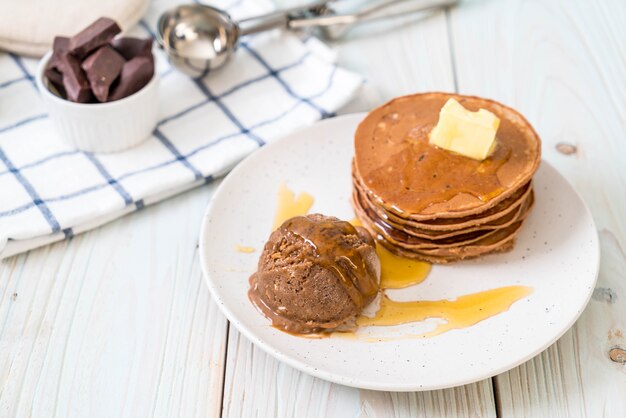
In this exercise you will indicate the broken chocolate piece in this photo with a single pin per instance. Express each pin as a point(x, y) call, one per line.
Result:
point(74, 79)
point(99, 33)
point(59, 47)
point(58, 91)
point(55, 81)
point(135, 75)
point(60, 44)
point(54, 76)
point(133, 47)
point(102, 68)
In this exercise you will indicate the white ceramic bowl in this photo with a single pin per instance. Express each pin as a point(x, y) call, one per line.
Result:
point(102, 127)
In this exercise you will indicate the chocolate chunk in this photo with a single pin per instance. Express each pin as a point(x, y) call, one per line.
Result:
point(102, 68)
point(59, 47)
point(99, 33)
point(133, 47)
point(58, 91)
point(55, 82)
point(53, 70)
point(54, 76)
point(60, 44)
point(136, 74)
point(74, 79)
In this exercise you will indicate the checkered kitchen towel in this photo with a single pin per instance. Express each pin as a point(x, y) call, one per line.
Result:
point(275, 84)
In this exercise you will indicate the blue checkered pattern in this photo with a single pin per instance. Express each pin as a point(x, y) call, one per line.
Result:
point(275, 84)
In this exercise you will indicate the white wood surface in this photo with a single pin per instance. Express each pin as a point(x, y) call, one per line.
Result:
point(563, 64)
point(115, 322)
point(257, 385)
point(118, 322)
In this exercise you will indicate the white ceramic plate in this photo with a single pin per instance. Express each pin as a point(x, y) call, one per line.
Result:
point(557, 253)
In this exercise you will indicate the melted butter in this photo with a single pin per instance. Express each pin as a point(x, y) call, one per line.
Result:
point(244, 249)
point(462, 312)
point(288, 205)
point(398, 272)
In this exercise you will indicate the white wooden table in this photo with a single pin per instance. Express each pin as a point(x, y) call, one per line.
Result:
point(118, 321)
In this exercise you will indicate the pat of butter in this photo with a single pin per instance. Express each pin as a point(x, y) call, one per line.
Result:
point(472, 134)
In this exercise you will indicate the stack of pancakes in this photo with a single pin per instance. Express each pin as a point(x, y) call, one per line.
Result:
point(427, 203)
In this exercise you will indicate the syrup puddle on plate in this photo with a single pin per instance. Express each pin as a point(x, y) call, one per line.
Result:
point(289, 205)
point(399, 272)
point(462, 312)
point(244, 249)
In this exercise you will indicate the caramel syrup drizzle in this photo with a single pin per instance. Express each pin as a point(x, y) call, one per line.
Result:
point(463, 312)
point(396, 273)
point(288, 205)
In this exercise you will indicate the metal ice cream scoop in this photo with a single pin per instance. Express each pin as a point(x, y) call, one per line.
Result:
point(199, 38)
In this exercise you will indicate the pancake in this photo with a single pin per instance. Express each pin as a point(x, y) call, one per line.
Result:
point(464, 240)
point(500, 241)
point(408, 176)
point(423, 202)
point(484, 246)
point(501, 221)
point(402, 239)
point(491, 218)
point(449, 224)
point(504, 246)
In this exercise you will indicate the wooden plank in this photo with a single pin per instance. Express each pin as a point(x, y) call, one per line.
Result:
point(257, 385)
point(115, 322)
point(409, 59)
point(562, 64)
point(405, 59)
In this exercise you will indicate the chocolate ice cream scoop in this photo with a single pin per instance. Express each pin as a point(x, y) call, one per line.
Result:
point(316, 274)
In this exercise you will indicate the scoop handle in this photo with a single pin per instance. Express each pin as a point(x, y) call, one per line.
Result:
point(280, 18)
point(316, 14)
point(382, 10)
